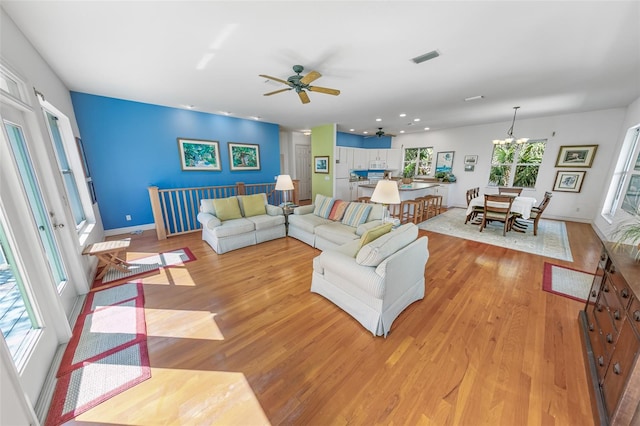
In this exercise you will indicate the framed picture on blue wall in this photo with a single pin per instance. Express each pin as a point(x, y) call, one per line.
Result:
point(199, 154)
point(244, 156)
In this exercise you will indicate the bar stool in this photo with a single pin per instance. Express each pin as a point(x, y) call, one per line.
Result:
point(438, 207)
point(364, 199)
point(430, 206)
point(411, 211)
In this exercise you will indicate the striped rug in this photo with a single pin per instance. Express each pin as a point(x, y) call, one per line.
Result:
point(567, 282)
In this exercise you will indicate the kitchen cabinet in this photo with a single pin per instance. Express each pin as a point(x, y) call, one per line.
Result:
point(360, 159)
point(394, 159)
point(610, 324)
point(443, 189)
point(343, 189)
point(377, 155)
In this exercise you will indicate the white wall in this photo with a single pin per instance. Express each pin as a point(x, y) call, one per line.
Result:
point(600, 128)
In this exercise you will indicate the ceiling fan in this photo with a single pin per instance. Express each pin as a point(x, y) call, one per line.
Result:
point(300, 84)
point(380, 133)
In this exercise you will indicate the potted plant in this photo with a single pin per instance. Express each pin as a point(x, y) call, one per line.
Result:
point(407, 173)
point(629, 233)
point(440, 176)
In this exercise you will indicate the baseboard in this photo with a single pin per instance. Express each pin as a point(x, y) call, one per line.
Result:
point(129, 229)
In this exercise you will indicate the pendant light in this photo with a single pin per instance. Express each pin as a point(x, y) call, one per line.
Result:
point(511, 139)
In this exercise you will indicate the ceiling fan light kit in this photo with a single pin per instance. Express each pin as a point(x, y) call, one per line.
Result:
point(511, 139)
point(301, 84)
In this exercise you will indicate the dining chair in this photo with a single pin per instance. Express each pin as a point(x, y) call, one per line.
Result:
point(476, 212)
point(536, 213)
point(497, 208)
point(509, 190)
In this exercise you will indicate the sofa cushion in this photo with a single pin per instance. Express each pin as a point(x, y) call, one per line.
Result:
point(378, 250)
point(356, 214)
point(233, 227)
point(265, 221)
point(306, 222)
point(206, 206)
point(336, 232)
point(253, 205)
point(375, 233)
point(323, 206)
point(227, 208)
point(338, 209)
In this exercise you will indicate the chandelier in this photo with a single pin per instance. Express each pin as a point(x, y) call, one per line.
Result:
point(510, 139)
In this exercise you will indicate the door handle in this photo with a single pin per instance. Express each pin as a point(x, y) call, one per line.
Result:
point(58, 226)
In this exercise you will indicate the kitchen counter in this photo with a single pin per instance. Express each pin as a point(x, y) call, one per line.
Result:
point(414, 186)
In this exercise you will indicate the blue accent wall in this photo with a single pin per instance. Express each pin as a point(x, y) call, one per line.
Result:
point(357, 141)
point(131, 145)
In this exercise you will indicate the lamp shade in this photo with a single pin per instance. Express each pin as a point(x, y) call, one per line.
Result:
point(386, 192)
point(284, 183)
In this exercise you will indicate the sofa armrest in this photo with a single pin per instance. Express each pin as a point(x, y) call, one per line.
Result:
point(274, 210)
point(404, 268)
point(208, 220)
point(304, 209)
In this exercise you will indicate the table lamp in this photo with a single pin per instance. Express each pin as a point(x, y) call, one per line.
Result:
point(284, 183)
point(386, 193)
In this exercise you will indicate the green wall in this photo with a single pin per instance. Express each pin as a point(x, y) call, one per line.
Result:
point(323, 141)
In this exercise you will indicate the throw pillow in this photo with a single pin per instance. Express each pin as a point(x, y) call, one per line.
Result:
point(338, 209)
point(323, 206)
point(206, 206)
point(374, 233)
point(253, 205)
point(227, 208)
point(356, 214)
point(375, 252)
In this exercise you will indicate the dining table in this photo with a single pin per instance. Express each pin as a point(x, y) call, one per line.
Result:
point(521, 205)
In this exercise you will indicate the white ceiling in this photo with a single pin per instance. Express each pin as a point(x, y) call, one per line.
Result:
point(549, 58)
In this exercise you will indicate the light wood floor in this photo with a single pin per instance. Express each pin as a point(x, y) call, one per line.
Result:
point(238, 339)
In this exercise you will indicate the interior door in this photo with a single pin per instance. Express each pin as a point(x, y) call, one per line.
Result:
point(303, 170)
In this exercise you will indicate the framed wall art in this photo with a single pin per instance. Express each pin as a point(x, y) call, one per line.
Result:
point(198, 154)
point(470, 160)
point(444, 161)
point(576, 155)
point(321, 164)
point(569, 181)
point(244, 156)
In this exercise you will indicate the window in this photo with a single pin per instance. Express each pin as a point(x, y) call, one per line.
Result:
point(516, 164)
point(417, 161)
point(627, 174)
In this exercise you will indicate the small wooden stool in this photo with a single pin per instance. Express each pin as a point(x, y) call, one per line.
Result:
point(107, 254)
point(411, 211)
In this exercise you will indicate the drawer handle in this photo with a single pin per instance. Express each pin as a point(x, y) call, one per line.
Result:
point(616, 314)
point(609, 338)
point(625, 293)
point(603, 257)
point(599, 307)
point(605, 289)
point(591, 327)
point(594, 293)
point(600, 360)
point(616, 368)
point(636, 316)
point(612, 269)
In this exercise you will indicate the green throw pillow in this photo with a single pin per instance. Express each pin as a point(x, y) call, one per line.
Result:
point(253, 205)
point(227, 208)
point(374, 233)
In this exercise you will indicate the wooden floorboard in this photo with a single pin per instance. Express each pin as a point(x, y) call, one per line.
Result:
point(239, 339)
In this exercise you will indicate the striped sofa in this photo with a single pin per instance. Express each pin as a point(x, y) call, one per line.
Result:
point(329, 222)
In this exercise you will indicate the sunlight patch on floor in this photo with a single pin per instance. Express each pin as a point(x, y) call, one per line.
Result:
point(183, 324)
point(175, 396)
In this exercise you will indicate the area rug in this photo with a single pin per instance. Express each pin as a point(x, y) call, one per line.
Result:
point(551, 241)
point(149, 264)
point(566, 282)
point(106, 355)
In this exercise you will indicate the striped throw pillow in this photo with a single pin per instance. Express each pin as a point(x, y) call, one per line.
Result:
point(356, 214)
point(338, 209)
point(323, 206)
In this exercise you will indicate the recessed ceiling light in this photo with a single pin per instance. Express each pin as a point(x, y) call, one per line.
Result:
point(401, 131)
point(474, 98)
point(352, 130)
point(256, 118)
point(366, 133)
point(188, 106)
point(378, 119)
point(403, 115)
point(416, 119)
point(426, 128)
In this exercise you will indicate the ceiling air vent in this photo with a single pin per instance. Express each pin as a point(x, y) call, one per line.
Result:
point(426, 57)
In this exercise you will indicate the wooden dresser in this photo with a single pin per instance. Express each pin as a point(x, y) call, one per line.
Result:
point(611, 338)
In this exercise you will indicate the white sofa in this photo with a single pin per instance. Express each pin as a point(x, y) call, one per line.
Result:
point(232, 234)
point(324, 233)
point(375, 283)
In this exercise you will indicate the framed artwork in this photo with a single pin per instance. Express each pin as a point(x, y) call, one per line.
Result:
point(444, 161)
point(199, 154)
point(470, 160)
point(321, 164)
point(244, 156)
point(569, 181)
point(469, 167)
point(576, 155)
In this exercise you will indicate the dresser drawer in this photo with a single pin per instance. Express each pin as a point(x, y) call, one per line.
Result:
point(600, 356)
point(620, 367)
point(615, 307)
point(620, 286)
point(634, 314)
point(608, 332)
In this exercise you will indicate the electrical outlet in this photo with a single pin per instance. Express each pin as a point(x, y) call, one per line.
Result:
point(128, 217)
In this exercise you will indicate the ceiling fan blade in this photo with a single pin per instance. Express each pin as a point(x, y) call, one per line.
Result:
point(304, 97)
point(275, 79)
point(312, 76)
point(326, 90)
point(277, 91)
